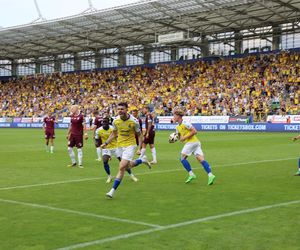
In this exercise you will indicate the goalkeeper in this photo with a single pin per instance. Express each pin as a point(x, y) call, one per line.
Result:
point(187, 134)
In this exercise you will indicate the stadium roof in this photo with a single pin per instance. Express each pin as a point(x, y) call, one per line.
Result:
point(141, 23)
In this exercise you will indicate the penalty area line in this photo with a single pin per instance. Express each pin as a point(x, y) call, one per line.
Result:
point(177, 225)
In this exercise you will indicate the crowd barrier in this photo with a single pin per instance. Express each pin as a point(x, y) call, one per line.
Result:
point(252, 127)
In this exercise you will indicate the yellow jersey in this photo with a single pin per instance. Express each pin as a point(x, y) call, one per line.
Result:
point(126, 130)
point(183, 129)
point(104, 134)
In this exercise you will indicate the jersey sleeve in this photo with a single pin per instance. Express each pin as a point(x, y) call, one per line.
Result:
point(188, 125)
point(97, 132)
point(137, 126)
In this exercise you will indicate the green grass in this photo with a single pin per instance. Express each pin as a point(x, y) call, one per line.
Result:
point(43, 207)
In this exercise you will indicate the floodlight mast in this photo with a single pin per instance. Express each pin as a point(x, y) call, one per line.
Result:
point(40, 16)
point(91, 7)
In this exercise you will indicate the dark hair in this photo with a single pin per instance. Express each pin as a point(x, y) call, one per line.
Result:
point(123, 104)
point(106, 119)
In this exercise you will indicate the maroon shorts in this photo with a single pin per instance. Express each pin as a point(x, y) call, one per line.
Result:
point(98, 142)
point(49, 135)
point(75, 140)
point(150, 139)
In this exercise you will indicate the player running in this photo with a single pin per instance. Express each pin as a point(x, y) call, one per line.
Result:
point(187, 134)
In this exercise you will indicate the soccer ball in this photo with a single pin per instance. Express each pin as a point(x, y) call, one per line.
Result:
point(173, 137)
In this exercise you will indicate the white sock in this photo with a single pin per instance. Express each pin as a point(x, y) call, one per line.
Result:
point(98, 150)
point(210, 174)
point(143, 151)
point(80, 156)
point(51, 149)
point(191, 173)
point(111, 191)
point(153, 150)
point(72, 155)
point(47, 148)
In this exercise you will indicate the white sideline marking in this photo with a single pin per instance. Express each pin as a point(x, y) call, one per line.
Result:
point(146, 173)
point(182, 224)
point(79, 213)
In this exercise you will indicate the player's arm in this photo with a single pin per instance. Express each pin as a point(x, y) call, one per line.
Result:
point(140, 136)
point(149, 128)
point(85, 129)
point(112, 135)
point(296, 138)
point(69, 132)
point(193, 132)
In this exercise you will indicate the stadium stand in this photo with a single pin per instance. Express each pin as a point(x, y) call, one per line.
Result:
point(255, 85)
point(43, 63)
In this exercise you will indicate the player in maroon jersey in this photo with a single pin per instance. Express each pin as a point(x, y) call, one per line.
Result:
point(49, 126)
point(149, 134)
point(98, 120)
point(75, 135)
point(135, 113)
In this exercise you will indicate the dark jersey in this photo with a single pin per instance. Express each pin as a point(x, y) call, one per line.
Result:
point(77, 124)
point(149, 118)
point(98, 121)
point(49, 123)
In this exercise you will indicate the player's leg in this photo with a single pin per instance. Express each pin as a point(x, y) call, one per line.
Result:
point(79, 145)
point(98, 143)
point(106, 158)
point(71, 144)
point(52, 144)
point(47, 142)
point(143, 149)
point(153, 151)
point(188, 168)
point(122, 167)
point(200, 157)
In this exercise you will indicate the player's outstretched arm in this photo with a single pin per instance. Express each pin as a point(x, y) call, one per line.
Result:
point(296, 138)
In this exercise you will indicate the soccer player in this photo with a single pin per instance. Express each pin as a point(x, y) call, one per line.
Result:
point(125, 126)
point(111, 149)
point(98, 142)
point(298, 172)
point(187, 134)
point(75, 135)
point(135, 113)
point(149, 134)
point(48, 126)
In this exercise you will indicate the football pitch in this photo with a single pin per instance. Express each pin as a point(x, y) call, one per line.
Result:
point(253, 204)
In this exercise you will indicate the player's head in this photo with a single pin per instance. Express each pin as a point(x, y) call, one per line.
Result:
point(122, 109)
point(135, 111)
point(105, 123)
point(74, 109)
point(146, 109)
point(106, 111)
point(178, 113)
point(49, 113)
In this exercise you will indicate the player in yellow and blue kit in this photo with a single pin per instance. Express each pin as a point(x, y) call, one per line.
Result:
point(125, 127)
point(111, 149)
point(187, 134)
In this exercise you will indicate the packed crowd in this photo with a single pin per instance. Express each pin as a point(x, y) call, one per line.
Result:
point(255, 85)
